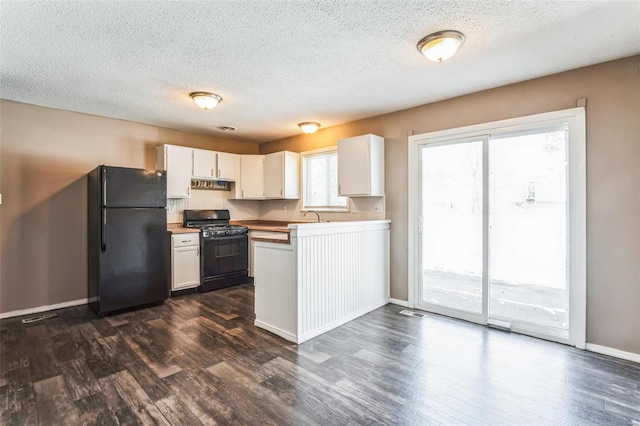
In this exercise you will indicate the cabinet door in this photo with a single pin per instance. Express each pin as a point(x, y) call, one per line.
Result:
point(204, 164)
point(185, 267)
point(274, 175)
point(291, 175)
point(177, 163)
point(227, 166)
point(252, 176)
point(354, 162)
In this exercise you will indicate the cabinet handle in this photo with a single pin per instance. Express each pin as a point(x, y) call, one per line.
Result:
point(211, 172)
point(339, 190)
point(281, 192)
point(197, 251)
point(219, 174)
point(243, 193)
point(185, 241)
point(188, 190)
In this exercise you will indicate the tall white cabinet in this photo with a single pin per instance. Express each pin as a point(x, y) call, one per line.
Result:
point(281, 175)
point(177, 161)
point(361, 166)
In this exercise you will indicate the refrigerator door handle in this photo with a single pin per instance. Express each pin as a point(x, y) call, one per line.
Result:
point(104, 187)
point(103, 231)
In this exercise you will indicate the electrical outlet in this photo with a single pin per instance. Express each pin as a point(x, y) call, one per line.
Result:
point(354, 207)
point(378, 208)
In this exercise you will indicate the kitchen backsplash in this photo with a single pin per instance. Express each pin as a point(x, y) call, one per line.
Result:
point(366, 208)
point(360, 208)
point(208, 199)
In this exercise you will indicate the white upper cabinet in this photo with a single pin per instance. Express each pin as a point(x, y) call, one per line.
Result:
point(251, 177)
point(214, 165)
point(361, 166)
point(227, 165)
point(204, 164)
point(177, 161)
point(281, 175)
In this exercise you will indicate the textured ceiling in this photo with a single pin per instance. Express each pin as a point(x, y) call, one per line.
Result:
point(277, 63)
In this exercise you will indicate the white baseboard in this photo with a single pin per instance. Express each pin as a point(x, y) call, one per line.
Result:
point(303, 337)
point(277, 331)
point(617, 353)
point(399, 302)
point(45, 308)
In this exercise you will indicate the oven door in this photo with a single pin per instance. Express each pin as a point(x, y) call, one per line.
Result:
point(224, 255)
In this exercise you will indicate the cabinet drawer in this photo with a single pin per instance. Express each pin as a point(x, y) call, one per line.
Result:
point(182, 240)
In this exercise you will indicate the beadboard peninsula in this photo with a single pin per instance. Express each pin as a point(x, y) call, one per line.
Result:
point(328, 274)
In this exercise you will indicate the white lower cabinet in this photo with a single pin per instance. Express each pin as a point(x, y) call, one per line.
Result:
point(185, 261)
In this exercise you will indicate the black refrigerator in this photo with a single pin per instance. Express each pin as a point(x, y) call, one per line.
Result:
point(128, 243)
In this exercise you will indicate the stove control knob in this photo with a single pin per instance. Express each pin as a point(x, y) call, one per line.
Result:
point(227, 232)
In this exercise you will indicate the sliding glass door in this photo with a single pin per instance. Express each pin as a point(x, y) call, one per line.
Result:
point(528, 236)
point(500, 228)
point(452, 233)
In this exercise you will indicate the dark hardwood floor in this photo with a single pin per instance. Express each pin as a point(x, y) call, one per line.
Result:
point(198, 359)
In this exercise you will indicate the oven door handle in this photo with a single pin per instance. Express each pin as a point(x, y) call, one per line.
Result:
point(226, 238)
point(228, 255)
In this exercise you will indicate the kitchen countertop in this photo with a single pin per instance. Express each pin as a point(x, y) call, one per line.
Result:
point(265, 225)
point(177, 228)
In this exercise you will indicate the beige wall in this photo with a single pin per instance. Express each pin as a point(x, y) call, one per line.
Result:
point(45, 153)
point(44, 156)
point(613, 177)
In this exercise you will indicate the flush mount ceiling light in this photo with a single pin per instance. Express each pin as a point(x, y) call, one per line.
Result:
point(441, 46)
point(205, 100)
point(227, 128)
point(309, 126)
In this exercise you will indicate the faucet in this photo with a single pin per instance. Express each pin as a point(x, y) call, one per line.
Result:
point(312, 211)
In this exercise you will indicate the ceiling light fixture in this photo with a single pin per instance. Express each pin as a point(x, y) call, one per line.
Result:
point(227, 128)
point(205, 100)
point(309, 126)
point(441, 46)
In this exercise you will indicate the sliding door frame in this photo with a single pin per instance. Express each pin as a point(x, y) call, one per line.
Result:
point(477, 317)
point(575, 118)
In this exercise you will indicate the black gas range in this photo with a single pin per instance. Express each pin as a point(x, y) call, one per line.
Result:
point(224, 248)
